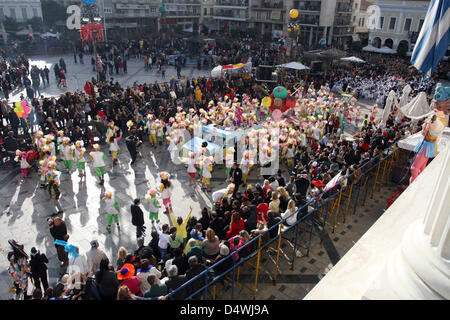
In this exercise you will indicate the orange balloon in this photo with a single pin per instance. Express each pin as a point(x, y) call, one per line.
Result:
point(293, 13)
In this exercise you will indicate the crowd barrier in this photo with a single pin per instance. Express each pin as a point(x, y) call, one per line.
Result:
point(324, 211)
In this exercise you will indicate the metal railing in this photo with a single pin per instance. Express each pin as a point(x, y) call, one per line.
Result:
point(323, 210)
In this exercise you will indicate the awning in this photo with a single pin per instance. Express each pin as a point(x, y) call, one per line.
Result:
point(353, 59)
point(293, 65)
point(386, 50)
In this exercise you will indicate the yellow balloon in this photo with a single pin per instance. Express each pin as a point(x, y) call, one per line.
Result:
point(266, 102)
point(293, 13)
point(296, 28)
point(289, 30)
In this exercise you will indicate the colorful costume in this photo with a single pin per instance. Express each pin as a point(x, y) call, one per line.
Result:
point(112, 210)
point(428, 147)
point(153, 205)
point(79, 155)
point(98, 158)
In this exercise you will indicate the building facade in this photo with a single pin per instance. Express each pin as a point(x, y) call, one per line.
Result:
point(20, 11)
point(329, 20)
point(270, 17)
point(399, 23)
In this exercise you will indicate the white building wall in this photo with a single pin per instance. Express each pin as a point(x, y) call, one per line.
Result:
point(20, 10)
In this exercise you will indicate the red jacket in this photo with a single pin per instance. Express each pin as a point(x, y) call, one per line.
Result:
point(236, 227)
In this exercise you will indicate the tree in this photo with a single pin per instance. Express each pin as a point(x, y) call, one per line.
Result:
point(36, 24)
point(402, 50)
point(11, 24)
point(53, 12)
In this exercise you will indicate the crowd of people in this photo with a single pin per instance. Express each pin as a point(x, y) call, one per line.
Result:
point(312, 149)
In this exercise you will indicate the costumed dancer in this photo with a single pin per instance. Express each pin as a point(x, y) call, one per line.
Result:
point(358, 115)
point(50, 144)
point(98, 159)
point(24, 165)
point(59, 144)
point(112, 210)
point(39, 142)
point(152, 127)
point(43, 169)
point(67, 153)
point(19, 268)
point(206, 173)
point(160, 132)
point(290, 154)
point(246, 165)
point(153, 205)
point(432, 132)
point(165, 188)
point(373, 113)
point(192, 169)
point(79, 155)
point(229, 160)
point(53, 178)
point(111, 131)
point(114, 146)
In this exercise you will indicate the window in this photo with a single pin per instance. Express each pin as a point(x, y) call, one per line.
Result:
point(354, 18)
point(356, 6)
point(211, 11)
point(35, 12)
point(381, 22)
point(205, 12)
point(108, 10)
point(420, 25)
point(153, 9)
point(12, 12)
point(24, 14)
point(407, 24)
point(362, 22)
point(2, 14)
point(392, 23)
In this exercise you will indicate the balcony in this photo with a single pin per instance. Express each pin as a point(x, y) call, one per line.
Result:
point(269, 6)
point(308, 20)
point(309, 6)
point(231, 4)
point(192, 2)
point(342, 22)
point(173, 14)
point(343, 8)
point(230, 15)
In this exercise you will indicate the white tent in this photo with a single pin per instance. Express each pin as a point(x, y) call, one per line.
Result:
point(293, 65)
point(371, 48)
point(403, 100)
point(390, 101)
point(353, 59)
point(417, 108)
point(386, 50)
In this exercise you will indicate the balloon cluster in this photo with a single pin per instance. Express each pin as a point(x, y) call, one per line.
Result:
point(22, 109)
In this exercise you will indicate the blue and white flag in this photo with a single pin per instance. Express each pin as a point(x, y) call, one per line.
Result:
point(434, 37)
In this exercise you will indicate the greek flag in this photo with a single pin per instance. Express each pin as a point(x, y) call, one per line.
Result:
point(434, 37)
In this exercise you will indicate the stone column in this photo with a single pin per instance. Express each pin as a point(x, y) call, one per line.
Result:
point(420, 267)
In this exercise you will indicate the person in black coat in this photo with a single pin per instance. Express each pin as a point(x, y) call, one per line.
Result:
point(236, 177)
point(132, 143)
point(137, 218)
point(218, 224)
point(39, 268)
point(58, 230)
